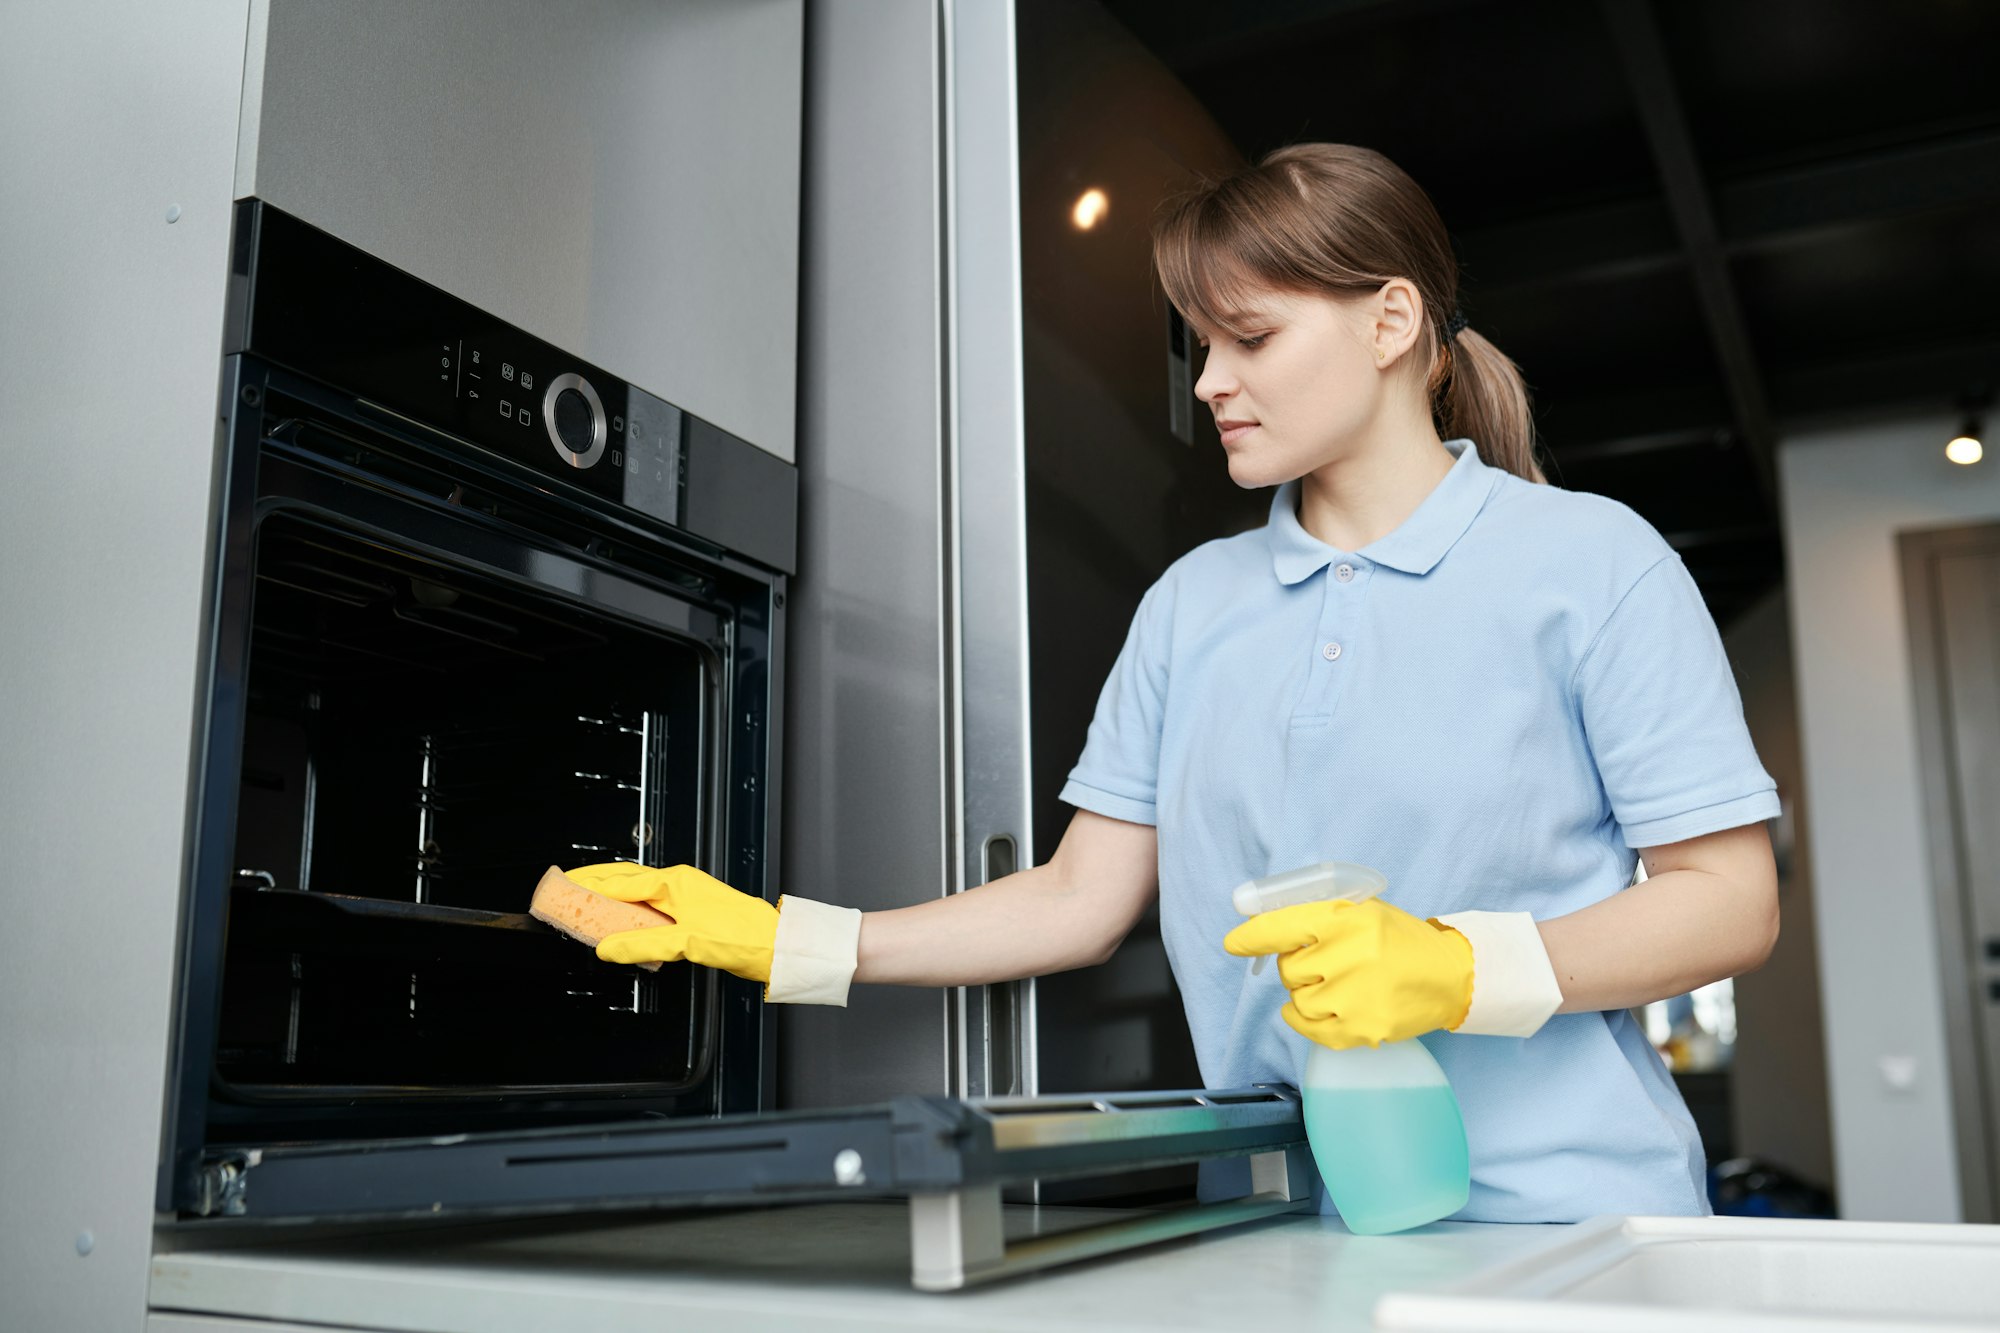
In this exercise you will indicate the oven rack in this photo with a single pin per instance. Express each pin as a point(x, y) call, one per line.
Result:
point(439, 981)
point(400, 931)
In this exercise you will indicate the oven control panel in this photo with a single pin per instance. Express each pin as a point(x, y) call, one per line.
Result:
point(320, 306)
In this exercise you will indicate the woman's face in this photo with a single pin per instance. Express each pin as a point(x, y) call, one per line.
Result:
point(1294, 391)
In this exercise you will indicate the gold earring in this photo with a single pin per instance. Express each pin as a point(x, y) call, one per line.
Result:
point(1380, 353)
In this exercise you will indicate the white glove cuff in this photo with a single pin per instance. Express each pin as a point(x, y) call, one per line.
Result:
point(815, 953)
point(1514, 989)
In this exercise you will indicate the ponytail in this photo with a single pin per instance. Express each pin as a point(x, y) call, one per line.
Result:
point(1478, 392)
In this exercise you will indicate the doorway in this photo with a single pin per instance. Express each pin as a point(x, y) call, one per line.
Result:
point(1951, 583)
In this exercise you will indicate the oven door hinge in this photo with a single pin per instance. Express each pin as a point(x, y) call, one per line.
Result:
point(221, 1181)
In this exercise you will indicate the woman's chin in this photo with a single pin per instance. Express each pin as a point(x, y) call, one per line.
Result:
point(1254, 474)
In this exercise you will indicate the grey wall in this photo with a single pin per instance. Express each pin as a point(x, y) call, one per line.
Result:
point(1846, 494)
point(110, 337)
point(619, 177)
point(1777, 1084)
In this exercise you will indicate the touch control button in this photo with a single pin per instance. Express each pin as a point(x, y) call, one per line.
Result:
point(574, 417)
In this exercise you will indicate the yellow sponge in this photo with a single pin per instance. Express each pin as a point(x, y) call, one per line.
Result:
point(586, 916)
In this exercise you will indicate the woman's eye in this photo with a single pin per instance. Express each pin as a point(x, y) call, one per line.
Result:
point(1252, 342)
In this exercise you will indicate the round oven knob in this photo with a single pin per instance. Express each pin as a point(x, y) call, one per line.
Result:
point(572, 420)
point(575, 420)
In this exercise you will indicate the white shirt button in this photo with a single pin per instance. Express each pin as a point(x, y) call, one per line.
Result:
point(1345, 573)
point(1331, 652)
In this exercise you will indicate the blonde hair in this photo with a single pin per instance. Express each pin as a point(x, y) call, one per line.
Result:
point(1338, 220)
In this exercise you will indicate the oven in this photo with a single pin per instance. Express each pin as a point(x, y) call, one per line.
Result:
point(478, 609)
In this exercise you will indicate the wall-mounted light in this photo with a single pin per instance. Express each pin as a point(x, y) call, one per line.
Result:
point(1965, 446)
point(1091, 206)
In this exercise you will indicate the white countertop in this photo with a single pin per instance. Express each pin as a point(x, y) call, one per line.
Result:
point(827, 1266)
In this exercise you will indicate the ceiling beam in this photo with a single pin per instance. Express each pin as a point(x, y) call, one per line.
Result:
point(1579, 245)
point(1862, 187)
point(1698, 437)
point(1191, 35)
point(1904, 382)
point(1914, 380)
point(1636, 236)
point(1635, 420)
point(1644, 59)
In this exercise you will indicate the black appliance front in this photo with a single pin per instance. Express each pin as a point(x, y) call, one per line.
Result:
point(478, 608)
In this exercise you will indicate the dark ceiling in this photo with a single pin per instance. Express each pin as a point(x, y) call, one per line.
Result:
point(1698, 226)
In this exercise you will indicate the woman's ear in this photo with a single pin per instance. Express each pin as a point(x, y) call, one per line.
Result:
point(1398, 317)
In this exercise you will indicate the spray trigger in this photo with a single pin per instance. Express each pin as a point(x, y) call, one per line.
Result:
point(1324, 881)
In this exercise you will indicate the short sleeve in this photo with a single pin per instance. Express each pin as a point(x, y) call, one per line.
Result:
point(1118, 774)
point(1663, 718)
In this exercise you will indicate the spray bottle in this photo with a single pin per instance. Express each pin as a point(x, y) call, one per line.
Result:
point(1384, 1126)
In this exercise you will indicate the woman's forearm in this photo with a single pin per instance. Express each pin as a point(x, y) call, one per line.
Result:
point(1708, 911)
point(1071, 912)
point(1024, 925)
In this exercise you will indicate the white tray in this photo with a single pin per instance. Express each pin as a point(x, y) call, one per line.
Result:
point(1669, 1274)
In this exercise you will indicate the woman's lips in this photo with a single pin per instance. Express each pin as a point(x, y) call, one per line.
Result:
point(1232, 431)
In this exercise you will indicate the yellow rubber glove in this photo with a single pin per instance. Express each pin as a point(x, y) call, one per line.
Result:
point(1362, 973)
point(714, 925)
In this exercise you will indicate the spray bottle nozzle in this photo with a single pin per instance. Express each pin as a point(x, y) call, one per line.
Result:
point(1322, 882)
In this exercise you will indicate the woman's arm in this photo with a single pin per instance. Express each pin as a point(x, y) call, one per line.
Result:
point(1708, 909)
point(1070, 912)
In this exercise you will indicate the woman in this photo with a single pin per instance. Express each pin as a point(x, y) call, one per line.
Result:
point(1499, 693)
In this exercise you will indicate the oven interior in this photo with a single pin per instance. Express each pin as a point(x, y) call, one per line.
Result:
point(422, 740)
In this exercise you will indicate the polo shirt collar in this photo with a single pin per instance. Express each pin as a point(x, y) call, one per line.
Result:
point(1414, 547)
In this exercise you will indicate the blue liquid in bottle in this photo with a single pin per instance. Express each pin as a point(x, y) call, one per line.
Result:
point(1392, 1157)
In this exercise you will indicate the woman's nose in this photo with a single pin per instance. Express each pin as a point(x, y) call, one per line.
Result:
point(1215, 381)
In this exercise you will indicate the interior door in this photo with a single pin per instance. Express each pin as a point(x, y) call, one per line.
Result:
point(1969, 598)
point(1952, 582)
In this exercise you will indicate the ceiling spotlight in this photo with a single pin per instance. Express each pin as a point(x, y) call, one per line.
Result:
point(1091, 206)
point(1965, 446)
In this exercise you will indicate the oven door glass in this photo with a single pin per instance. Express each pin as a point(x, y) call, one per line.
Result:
point(420, 743)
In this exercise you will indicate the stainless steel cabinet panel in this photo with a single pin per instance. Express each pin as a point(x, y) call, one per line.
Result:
point(865, 764)
point(906, 718)
point(618, 177)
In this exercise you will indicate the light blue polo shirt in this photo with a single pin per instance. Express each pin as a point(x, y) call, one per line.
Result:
point(1494, 705)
